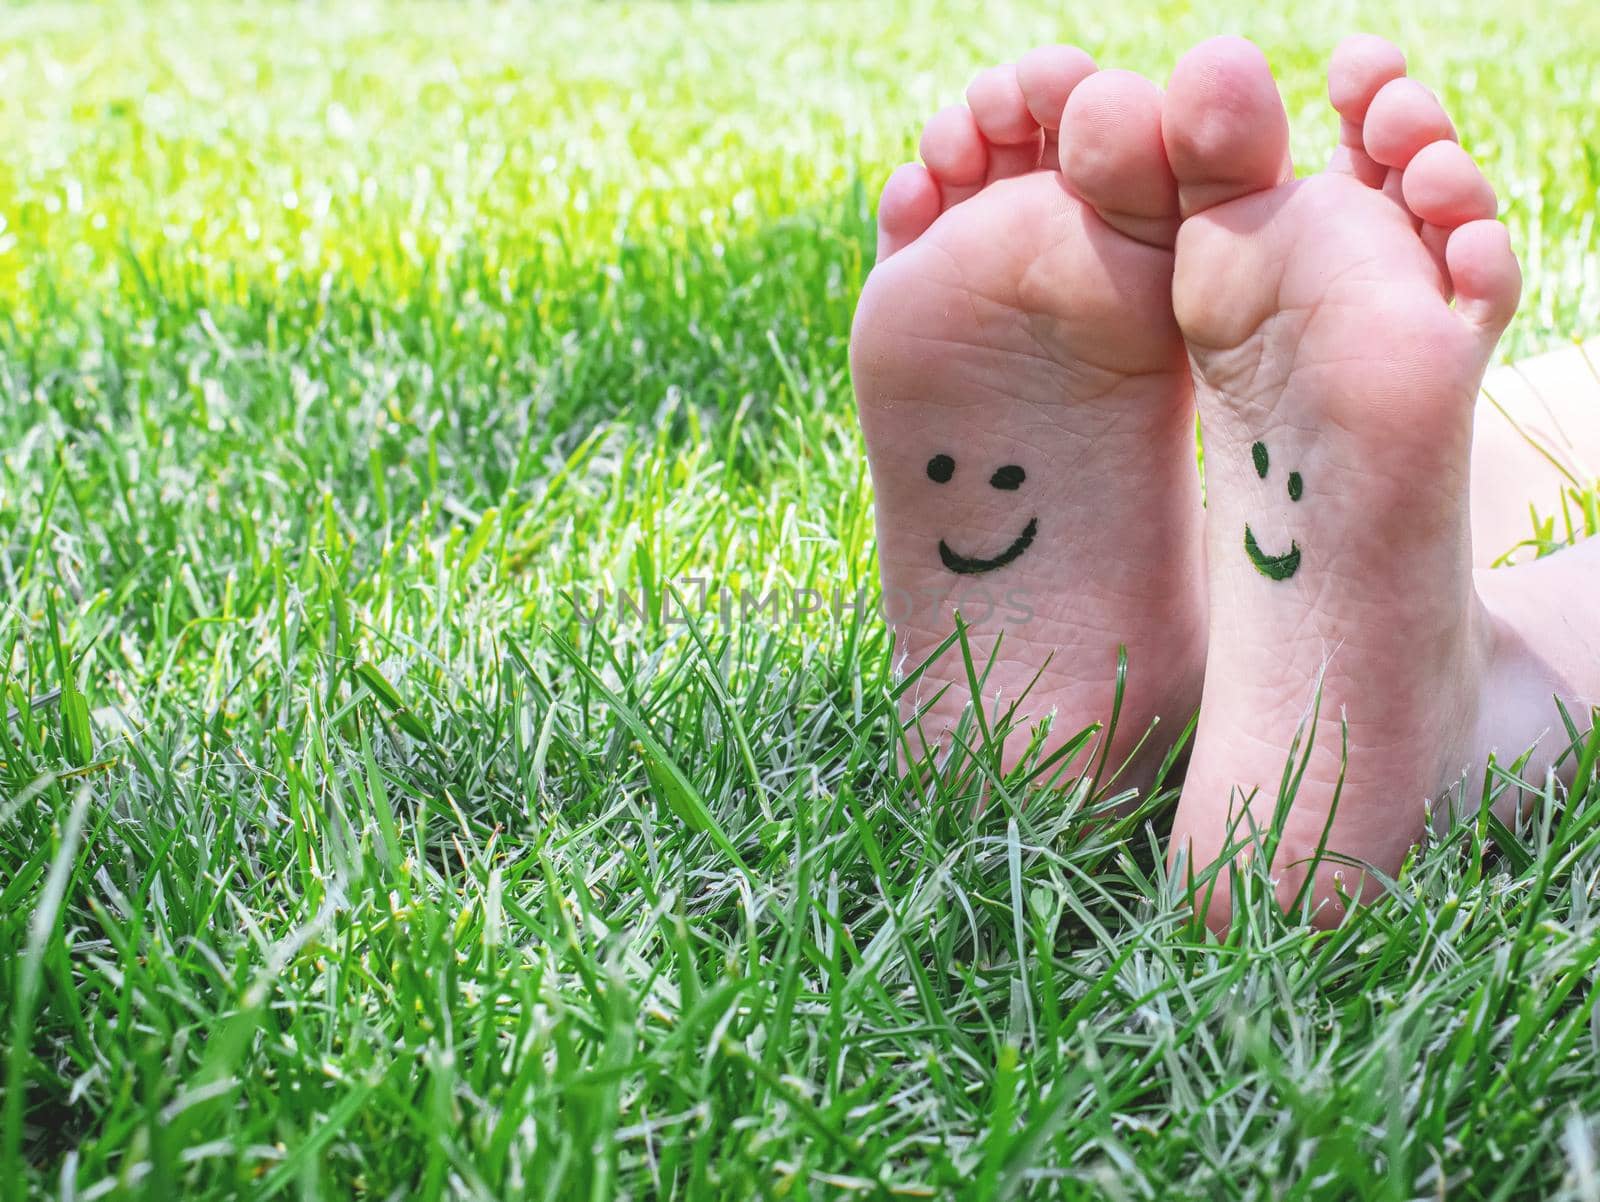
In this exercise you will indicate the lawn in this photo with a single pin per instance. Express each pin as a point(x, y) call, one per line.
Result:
point(442, 754)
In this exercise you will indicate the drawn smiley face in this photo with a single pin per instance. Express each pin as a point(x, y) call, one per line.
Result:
point(1273, 567)
point(1008, 479)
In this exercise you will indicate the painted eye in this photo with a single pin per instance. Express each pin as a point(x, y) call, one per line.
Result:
point(1297, 486)
point(941, 468)
point(1009, 477)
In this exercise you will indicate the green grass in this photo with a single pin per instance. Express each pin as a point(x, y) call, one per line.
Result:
point(344, 350)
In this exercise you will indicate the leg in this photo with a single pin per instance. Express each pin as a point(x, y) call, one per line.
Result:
point(1546, 628)
point(1536, 436)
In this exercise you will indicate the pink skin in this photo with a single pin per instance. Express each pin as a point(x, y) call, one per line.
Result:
point(1537, 432)
point(1345, 321)
point(1537, 437)
point(1020, 316)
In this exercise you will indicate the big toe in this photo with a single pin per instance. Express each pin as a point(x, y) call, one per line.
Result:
point(1224, 126)
point(1113, 155)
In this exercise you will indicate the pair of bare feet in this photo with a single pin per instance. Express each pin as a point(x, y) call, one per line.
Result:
point(1079, 263)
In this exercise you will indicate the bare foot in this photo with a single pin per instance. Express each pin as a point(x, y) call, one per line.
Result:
point(1336, 382)
point(1028, 410)
point(1537, 429)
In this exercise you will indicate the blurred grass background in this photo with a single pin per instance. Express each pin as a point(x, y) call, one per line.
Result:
point(340, 346)
point(242, 148)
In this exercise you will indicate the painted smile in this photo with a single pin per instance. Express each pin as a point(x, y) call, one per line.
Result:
point(1274, 567)
point(966, 566)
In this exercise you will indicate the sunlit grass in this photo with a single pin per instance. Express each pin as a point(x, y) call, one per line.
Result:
point(346, 353)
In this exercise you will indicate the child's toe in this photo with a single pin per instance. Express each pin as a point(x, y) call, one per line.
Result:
point(1113, 156)
point(1443, 186)
point(1047, 75)
point(908, 206)
point(955, 152)
point(1403, 118)
point(1223, 123)
point(1361, 65)
point(1001, 112)
point(1485, 275)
